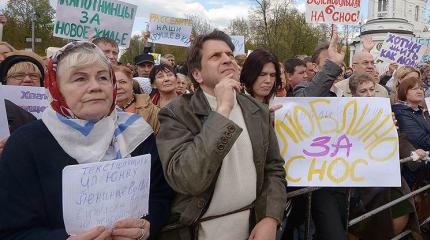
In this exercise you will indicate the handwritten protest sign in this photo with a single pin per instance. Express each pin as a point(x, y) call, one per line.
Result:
point(32, 99)
point(239, 44)
point(402, 50)
point(338, 142)
point(170, 30)
point(330, 11)
point(81, 20)
point(99, 194)
point(4, 126)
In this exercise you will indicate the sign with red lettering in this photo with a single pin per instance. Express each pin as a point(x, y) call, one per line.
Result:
point(333, 11)
point(338, 142)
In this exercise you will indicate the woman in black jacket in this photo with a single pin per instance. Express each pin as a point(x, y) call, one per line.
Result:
point(80, 126)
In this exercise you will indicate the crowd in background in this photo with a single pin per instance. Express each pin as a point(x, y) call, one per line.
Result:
point(164, 96)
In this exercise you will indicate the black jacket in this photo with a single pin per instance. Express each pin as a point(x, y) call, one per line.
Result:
point(31, 185)
point(16, 116)
point(414, 124)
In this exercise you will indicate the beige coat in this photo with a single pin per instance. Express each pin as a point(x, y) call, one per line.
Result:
point(149, 111)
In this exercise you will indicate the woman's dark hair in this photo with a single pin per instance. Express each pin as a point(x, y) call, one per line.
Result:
point(160, 68)
point(252, 68)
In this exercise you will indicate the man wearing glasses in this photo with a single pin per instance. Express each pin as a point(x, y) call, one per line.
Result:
point(362, 62)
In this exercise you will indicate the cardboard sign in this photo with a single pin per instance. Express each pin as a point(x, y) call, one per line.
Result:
point(239, 44)
point(333, 12)
point(82, 20)
point(170, 30)
point(4, 126)
point(101, 193)
point(402, 50)
point(342, 142)
point(32, 99)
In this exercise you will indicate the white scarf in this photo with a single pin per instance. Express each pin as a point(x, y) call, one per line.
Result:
point(89, 142)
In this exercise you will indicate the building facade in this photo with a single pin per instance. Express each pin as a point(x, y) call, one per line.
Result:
point(403, 17)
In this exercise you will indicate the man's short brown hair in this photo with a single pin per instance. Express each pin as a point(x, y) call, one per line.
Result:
point(104, 40)
point(194, 58)
point(357, 79)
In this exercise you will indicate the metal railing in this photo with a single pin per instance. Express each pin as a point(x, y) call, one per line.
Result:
point(308, 191)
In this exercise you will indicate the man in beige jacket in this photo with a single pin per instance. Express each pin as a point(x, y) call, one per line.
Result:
point(220, 154)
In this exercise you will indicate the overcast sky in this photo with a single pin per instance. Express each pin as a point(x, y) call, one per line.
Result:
point(219, 12)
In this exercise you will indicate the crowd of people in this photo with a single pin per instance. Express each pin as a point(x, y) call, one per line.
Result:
point(216, 168)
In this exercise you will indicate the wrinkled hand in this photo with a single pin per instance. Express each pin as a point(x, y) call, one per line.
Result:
point(273, 108)
point(97, 233)
point(2, 143)
point(264, 230)
point(333, 54)
point(225, 93)
point(130, 229)
point(422, 154)
point(368, 43)
point(392, 67)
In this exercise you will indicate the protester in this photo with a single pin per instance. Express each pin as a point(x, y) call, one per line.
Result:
point(411, 117)
point(362, 62)
point(21, 70)
point(362, 85)
point(240, 59)
point(386, 224)
point(310, 68)
point(328, 60)
point(220, 153)
point(392, 67)
point(425, 76)
point(296, 72)
point(163, 79)
point(144, 64)
point(170, 59)
point(5, 48)
point(148, 47)
point(283, 90)
point(181, 84)
point(16, 117)
point(261, 75)
point(81, 84)
point(401, 73)
point(348, 72)
point(129, 101)
point(109, 48)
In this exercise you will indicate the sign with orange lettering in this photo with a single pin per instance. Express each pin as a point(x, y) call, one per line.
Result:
point(338, 142)
point(333, 11)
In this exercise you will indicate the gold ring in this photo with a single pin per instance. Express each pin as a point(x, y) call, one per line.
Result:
point(143, 234)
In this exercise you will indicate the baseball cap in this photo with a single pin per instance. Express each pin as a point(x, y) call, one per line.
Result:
point(144, 58)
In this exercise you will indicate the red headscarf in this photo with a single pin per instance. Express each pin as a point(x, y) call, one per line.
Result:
point(57, 102)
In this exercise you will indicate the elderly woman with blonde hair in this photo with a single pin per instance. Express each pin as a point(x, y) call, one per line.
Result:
point(22, 69)
point(80, 126)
